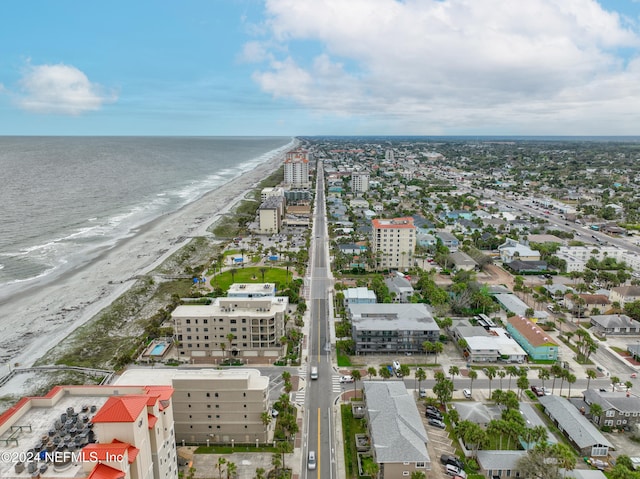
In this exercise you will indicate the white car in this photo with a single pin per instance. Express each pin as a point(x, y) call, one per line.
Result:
point(346, 379)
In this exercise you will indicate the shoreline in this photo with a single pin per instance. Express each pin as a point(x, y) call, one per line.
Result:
point(56, 309)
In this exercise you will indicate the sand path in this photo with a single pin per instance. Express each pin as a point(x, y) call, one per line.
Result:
point(42, 317)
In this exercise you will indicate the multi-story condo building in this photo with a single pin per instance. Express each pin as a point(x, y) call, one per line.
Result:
point(391, 327)
point(271, 214)
point(296, 169)
point(359, 182)
point(203, 332)
point(119, 432)
point(394, 242)
point(216, 406)
point(268, 192)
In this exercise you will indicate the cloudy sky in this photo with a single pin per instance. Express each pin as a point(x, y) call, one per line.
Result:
point(320, 67)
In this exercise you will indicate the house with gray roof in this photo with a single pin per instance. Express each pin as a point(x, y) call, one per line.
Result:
point(618, 409)
point(400, 288)
point(462, 261)
point(584, 436)
point(615, 324)
point(398, 437)
point(499, 463)
point(391, 327)
point(360, 295)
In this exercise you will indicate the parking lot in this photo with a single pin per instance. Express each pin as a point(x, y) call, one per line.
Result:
point(439, 443)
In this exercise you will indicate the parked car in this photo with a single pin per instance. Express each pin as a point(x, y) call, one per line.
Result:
point(432, 408)
point(455, 471)
point(274, 413)
point(346, 379)
point(453, 460)
point(466, 393)
point(538, 391)
point(436, 422)
point(422, 393)
point(433, 415)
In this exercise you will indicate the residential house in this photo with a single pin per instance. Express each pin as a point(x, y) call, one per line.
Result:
point(360, 295)
point(398, 437)
point(391, 328)
point(582, 434)
point(615, 324)
point(400, 288)
point(462, 261)
point(511, 250)
point(520, 267)
point(448, 240)
point(510, 302)
point(624, 295)
point(487, 344)
point(534, 340)
point(500, 463)
point(619, 410)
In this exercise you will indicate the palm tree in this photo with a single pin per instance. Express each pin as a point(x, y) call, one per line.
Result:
point(421, 375)
point(595, 410)
point(232, 469)
point(571, 378)
point(472, 375)
point(230, 337)
point(614, 381)
point(491, 374)
point(260, 473)
point(263, 270)
point(543, 375)
point(591, 374)
point(428, 347)
point(355, 374)
point(233, 272)
point(511, 371)
point(453, 370)
point(371, 371)
point(556, 372)
point(501, 374)
point(221, 462)
point(522, 383)
point(438, 348)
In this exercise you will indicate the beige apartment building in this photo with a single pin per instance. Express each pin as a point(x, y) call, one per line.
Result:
point(257, 324)
point(214, 405)
point(271, 214)
point(110, 432)
point(296, 169)
point(393, 243)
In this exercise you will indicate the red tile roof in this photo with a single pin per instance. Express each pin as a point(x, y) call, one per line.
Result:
point(394, 223)
point(102, 471)
point(131, 450)
point(152, 420)
point(121, 409)
point(104, 452)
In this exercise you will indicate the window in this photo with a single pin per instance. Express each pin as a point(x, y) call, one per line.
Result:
point(611, 413)
point(188, 321)
point(608, 423)
point(420, 465)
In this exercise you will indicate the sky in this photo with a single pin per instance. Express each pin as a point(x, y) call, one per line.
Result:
point(320, 67)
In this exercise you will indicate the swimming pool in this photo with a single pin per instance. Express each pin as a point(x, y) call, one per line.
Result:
point(158, 349)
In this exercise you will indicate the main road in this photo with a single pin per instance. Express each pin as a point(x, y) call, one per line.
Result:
point(318, 399)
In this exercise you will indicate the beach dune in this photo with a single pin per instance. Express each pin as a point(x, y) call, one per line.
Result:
point(42, 315)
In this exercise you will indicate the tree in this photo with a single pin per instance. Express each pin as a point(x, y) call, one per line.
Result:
point(371, 371)
point(614, 380)
point(522, 383)
point(571, 378)
point(232, 469)
point(595, 411)
point(230, 337)
point(219, 466)
point(284, 447)
point(556, 371)
point(260, 473)
point(511, 371)
point(357, 376)
point(453, 370)
point(443, 390)
point(421, 375)
point(473, 435)
point(384, 372)
point(501, 374)
point(591, 374)
point(543, 375)
point(418, 475)
point(438, 348)
point(529, 312)
point(491, 372)
point(266, 418)
point(472, 375)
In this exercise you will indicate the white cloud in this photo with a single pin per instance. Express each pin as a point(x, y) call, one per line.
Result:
point(61, 89)
point(455, 63)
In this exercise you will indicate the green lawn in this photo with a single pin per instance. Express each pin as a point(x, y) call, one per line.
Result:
point(350, 427)
point(252, 275)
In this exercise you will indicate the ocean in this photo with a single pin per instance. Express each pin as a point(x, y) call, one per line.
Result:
point(65, 200)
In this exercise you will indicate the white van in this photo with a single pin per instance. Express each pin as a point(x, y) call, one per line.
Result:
point(314, 372)
point(396, 365)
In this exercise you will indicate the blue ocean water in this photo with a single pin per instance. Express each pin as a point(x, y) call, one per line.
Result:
point(64, 197)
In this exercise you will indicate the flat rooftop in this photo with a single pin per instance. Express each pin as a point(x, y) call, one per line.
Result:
point(33, 429)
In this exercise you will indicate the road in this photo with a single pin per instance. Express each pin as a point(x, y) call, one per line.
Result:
point(318, 400)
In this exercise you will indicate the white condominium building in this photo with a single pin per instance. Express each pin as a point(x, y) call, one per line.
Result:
point(394, 242)
point(359, 182)
point(296, 169)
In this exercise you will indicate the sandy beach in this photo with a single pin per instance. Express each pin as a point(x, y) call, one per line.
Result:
point(41, 317)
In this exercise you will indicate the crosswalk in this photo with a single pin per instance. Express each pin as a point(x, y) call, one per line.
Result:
point(301, 394)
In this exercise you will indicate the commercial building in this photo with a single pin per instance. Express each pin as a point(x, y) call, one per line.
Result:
point(487, 344)
point(393, 243)
point(398, 437)
point(202, 332)
point(391, 328)
point(91, 432)
point(533, 339)
point(296, 169)
point(213, 405)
